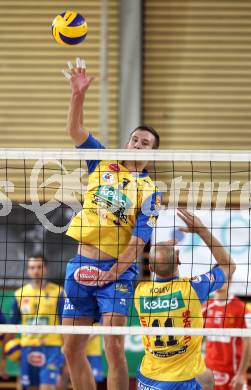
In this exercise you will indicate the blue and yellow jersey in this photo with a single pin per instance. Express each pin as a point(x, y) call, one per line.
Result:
point(38, 306)
point(174, 303)
point(117, 204)
point(94, 346)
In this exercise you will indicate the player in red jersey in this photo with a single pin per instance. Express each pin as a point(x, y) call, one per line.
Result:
point(227, 356)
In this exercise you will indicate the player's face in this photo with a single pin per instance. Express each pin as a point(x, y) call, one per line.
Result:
point(141, 139)
point(36, 269)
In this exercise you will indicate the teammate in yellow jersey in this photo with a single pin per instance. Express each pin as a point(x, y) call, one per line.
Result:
point(174, 362)
point(119, 212)
point(39, 303)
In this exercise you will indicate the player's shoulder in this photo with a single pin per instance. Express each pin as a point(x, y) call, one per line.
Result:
point(54, 288)
point(209, 304)
point(143, 287)
point(146, 182)
point(23, 291)
point(237, 303)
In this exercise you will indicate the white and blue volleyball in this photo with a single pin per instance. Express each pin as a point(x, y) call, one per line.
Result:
point(69, 28)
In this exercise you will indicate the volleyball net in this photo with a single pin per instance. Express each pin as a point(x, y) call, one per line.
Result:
point(42, 190)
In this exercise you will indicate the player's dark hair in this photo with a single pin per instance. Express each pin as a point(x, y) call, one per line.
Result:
point(150, 130)
point(38, 256)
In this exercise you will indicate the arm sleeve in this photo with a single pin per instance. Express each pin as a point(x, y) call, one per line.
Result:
point(91, 143)
point(147, 217)
point(15, 313)
point(205, 284)
point(60, 305)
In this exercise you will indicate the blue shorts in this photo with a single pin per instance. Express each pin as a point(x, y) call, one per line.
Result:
point(85, 299)
point(150, 384)
point(40, 365)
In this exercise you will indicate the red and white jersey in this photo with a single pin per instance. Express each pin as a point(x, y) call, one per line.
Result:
point(223, 353)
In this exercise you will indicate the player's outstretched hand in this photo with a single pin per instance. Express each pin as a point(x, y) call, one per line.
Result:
point(76, 74)
point(194, 224)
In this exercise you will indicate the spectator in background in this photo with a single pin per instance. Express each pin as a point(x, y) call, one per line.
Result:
point(39, 303)
point(227, 356)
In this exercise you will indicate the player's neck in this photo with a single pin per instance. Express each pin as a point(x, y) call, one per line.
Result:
point(169, 276)
point(222, 297)
point(38, 284)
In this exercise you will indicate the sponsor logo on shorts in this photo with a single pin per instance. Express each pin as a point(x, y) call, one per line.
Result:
point(36, 359)
point(121, 287)
point(142, 386)
point(162, 303)
point(25, 380)
point(68, 305)
point(87, 275)
point(51, 366)
point(114, 167)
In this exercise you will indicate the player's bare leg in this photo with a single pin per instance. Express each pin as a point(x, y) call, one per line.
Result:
point(117, 377)
point(79, 368)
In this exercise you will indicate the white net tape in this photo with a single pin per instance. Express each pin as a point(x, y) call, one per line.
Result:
point(126, 330)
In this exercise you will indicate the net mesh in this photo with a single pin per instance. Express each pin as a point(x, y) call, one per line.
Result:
point(41, 191)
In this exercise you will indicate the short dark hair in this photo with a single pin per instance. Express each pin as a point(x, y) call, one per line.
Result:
point(150, 130)
point(38, 256)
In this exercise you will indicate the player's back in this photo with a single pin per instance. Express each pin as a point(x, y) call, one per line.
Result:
point(172, 303)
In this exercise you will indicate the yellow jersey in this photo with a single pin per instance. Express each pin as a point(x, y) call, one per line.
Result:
point(170, 304)
point(175, 302)
point(38, 306)
point(117, 204)
point(94, 346)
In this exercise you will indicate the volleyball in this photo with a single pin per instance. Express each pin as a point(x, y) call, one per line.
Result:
point(69, 28)
point(12, 349)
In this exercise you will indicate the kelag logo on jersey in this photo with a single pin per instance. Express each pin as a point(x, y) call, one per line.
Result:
point(162, 303)
point(114, 196)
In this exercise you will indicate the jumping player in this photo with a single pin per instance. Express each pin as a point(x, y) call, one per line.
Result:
point(119, 212)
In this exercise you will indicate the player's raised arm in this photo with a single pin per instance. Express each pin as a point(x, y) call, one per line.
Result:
point(195, 225)
point(79, 82)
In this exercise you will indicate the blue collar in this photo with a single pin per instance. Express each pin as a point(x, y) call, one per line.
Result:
point(165, 280)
